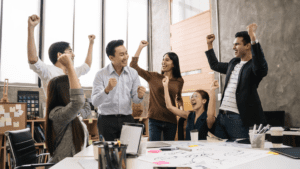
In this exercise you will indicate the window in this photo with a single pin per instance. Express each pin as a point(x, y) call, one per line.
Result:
point(183, 9)
point(14, 61)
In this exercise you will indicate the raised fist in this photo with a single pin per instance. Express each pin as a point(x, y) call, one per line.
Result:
point(33, 20)
point(112, 82)
point(165, 81)
point(210, 38)
point(214, 85)
point(91, 38)
point(252, 29)
point(143, 44)
point(141, 91)
point(65, 59)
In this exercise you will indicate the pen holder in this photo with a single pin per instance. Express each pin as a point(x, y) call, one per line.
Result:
point(257, 140)
point(112, 156)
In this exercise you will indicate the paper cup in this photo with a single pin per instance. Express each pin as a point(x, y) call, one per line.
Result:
point(277, 136)
point(194, 136)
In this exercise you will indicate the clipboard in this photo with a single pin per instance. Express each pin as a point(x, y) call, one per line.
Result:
point(290, 152)
point(131, 134)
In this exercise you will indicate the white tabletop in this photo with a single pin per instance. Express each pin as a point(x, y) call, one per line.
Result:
point(273, 161)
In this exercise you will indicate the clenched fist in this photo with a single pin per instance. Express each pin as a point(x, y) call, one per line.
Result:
point(141, 91)
point(251, 31)
point(143, 44)
point(91, 38)
point(33, 20)
point(112, 82)
point(165, 81)
point(65, 59)
point(214, 85)
point(210, 38)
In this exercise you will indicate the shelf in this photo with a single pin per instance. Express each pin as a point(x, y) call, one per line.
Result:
point(37, 120)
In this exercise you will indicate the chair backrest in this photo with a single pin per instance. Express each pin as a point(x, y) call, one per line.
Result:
point(22, 146)
point(275, 118)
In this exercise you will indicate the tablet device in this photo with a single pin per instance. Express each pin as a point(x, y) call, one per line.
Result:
point(290, 152)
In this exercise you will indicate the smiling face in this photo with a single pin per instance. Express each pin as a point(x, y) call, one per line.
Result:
point(70, 51)
point(167, 64)
point(121, 56)
point(197, 101)
point(239, 47)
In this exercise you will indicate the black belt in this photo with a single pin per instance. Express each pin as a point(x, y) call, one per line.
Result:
point(117, 115)
point(226, 112)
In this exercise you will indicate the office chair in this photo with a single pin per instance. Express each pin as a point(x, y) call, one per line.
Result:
point(23, 150)
point(181, 128)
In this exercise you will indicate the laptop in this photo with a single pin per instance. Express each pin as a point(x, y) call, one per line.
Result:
point(290, 152)
point(157, 144)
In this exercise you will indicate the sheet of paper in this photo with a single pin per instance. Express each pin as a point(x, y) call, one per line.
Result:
point(2, 111)
point(8, 121)
point(18, 106)
point(12, 109)
point(1, 107)
point(6, 115)
point(88, 163)
point(16, 114)
point(2, 119)
point(21, 112)
point(2, 124)
point(16, 124)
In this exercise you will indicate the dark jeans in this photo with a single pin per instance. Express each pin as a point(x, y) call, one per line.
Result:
point(157, 126)
point(230, 126)
point(110, 126)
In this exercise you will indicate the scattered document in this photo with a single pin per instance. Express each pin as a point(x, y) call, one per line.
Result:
point(8, 121)
point(16, 114)
point(6, 115)
point(18, 106)
point(16, 124)
point(12, 109)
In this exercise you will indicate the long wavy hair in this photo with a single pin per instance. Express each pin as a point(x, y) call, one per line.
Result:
point(176, 69)
point(58, 95)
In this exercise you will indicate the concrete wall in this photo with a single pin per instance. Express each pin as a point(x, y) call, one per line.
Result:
point(160, 32)
point(278, 32)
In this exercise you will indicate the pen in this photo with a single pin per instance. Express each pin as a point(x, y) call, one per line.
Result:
point(254, 129)
point(259, 128)
point(186, 149)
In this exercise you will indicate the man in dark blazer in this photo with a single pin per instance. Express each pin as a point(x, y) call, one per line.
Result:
point(240, 103)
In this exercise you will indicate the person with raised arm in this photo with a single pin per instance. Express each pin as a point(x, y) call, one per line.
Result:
point(240, 104)
point(203, 115)
point(160, 118)
point(66, 135)
point(56, 50)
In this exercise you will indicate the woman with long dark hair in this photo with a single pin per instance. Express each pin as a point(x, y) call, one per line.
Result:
point(203, 115)
point(65, 133)
point(160, 118)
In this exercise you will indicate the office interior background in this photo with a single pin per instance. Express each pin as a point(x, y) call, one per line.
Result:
point(180, 26)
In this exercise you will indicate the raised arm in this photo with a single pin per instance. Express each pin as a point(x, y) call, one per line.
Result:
point(211, 56)
point(211, 112)
point(89, 57)
point(259, 63)
point(65, 59)
point(33, 20)
point(134, 62)
point(173, 109)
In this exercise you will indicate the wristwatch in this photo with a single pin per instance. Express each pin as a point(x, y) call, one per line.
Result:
point(254, 42)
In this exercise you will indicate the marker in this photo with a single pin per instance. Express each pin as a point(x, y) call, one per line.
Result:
point(254, 129)
point(186, 149)
point(259, 128)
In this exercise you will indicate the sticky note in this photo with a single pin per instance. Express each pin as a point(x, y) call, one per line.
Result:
point(90, 142)
point(270, 152)
point(1, 107)
point(20, 112)
point(2, 124)
point(12, 109)
point(193, 146)
point(16, 124)
point(18, 106)
point(2, 119)
point(161, 162)
point(8, 121)
point(90, 121)
point(2, 112)
point(154, 151)
point(16, 114)
point(6, 115)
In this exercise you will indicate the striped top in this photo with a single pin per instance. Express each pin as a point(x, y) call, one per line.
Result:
point(229, 100)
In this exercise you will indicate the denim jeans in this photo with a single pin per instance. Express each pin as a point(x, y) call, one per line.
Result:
point(157, 126)
point(230, 126)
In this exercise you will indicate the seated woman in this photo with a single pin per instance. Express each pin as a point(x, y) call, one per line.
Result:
point(65, 133)
point(204, 114)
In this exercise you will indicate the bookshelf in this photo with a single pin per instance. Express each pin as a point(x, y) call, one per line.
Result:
point(33, 123)
point(91, 125)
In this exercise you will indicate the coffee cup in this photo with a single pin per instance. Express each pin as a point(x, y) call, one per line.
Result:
point(194, 135)
point(276, 136)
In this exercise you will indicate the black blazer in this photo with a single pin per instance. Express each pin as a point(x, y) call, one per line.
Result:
point(247, 99)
